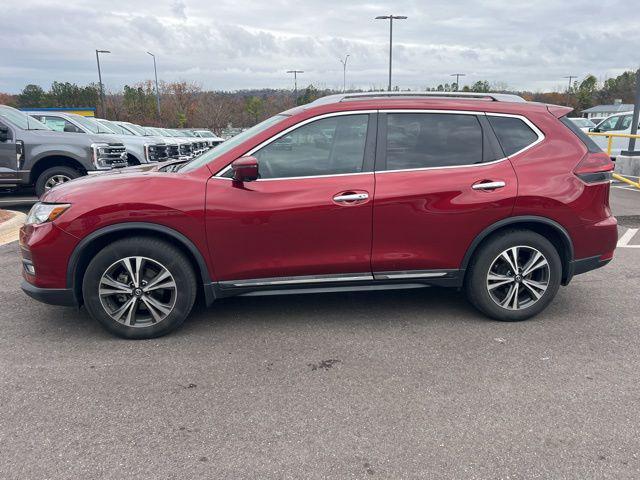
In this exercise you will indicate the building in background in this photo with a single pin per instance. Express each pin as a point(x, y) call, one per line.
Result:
point(84, 111)
point(600, 111)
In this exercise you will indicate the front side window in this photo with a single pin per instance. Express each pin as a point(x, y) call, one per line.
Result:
point(328, 146)
point(513, 133)
point(431, 140)
point(609, 124)
point(59, 124)
point(626, 122)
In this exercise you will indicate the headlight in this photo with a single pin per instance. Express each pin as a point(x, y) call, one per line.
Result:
point(45, 212)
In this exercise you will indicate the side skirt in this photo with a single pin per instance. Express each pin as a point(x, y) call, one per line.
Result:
point(337, 283)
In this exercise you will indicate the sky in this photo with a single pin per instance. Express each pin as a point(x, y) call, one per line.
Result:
point(239, 44)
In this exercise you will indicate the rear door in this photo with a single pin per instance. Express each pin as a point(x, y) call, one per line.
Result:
point(441, 178)
point(8, 157)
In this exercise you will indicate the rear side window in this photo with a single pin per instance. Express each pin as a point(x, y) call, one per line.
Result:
point(586, 139)
point(428, 140)
point(513, 133)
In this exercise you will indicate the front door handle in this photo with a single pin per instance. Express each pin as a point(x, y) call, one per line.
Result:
point(350, 197)
point(489, 185)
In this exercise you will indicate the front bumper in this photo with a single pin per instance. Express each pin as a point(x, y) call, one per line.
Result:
point(52, 296)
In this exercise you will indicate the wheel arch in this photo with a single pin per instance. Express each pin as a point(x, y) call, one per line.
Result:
point(94, 242)
point(548, 228)
point(49, 161)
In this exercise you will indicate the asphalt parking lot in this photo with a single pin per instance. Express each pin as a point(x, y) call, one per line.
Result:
point(399, 384)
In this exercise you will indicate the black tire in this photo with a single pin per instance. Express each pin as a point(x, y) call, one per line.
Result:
point(50, 173)
point(476, 281)
point(160, 254)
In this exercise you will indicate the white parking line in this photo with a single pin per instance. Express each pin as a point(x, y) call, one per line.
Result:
point(626, 238)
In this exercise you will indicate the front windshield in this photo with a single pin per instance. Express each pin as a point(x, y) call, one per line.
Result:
point(21, 120)
point(115, 127)
point(232, 143)
point(138, 130)
point(205, 133)
point(187, 133)
point(92, 125)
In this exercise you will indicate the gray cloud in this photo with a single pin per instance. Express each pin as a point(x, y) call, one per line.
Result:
point(251, 43)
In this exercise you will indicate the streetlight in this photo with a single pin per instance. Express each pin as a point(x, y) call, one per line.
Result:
point(344, 72)
point(458, 75)
point(391, 18)
point(98, 52)
point(155, 71)
point(295, 83)
point(570, 77)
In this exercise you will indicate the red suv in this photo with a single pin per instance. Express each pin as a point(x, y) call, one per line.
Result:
point(504, 198)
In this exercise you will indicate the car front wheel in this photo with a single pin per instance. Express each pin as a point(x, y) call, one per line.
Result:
point(139, 288)
point(514, 276)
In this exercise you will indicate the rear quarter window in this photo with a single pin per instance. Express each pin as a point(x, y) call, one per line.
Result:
point(513, 133)
point(584, 138)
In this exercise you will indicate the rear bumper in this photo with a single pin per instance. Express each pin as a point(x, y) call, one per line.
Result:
point(583, 265)
point(52, 296)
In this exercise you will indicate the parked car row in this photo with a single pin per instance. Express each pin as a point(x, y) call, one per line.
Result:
point(46, 148)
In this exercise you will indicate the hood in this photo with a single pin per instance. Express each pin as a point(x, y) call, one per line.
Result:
point(102, 138)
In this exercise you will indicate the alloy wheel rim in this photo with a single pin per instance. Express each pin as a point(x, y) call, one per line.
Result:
point(55, 180)
point(518, 278)
point(137, 291)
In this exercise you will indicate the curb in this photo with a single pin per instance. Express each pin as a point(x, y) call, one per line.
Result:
point(10, 229)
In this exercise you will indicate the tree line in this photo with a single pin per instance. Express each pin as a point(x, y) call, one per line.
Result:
point(186, 104)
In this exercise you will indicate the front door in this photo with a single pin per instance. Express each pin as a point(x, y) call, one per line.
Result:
point(307, 219)
point(440, 181)
point(8, 156)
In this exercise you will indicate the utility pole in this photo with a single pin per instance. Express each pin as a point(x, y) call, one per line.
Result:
point(98, 52)
point(634, 121)
point(295, 83)
point(458, 75)
point(391, 18)
point(344, 72)
point(570, 77)
point(155, 71)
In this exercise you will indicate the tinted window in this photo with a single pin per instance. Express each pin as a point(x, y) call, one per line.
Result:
point(423, 140)
point(513, 134)
point(325, 147)
point(586, 139)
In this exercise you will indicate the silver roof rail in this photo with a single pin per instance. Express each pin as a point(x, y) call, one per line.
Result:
point(495, 97)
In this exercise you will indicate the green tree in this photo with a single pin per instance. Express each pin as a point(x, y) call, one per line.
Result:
point(32, 96)
point(621, 87)
point(585, 92)
point(481, 86)
point(310, 94)
point(254, 106)
point(139, 103)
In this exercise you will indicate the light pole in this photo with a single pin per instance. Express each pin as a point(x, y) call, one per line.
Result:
point(155, 71)
point(98, 52)
point(570, 77)
point(391, 18)
point(458, 75)
point(295, 83)
point(344, 72)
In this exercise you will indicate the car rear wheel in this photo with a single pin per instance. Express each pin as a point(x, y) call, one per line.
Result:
point(53, 177)
point(139, 288)
point(514, 275)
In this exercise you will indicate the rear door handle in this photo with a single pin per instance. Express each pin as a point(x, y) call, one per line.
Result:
point(489, 185)
point(350, 197)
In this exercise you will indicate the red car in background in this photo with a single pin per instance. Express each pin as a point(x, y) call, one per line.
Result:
point(504, 198)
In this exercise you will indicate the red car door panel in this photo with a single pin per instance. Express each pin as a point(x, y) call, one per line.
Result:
point(426, 219)
point(289, 227)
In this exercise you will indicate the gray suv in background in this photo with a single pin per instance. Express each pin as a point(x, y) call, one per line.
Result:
point(139, 150)
point(31, 153)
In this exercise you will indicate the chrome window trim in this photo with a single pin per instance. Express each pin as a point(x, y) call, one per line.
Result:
point(528, 122)
point(290, 129)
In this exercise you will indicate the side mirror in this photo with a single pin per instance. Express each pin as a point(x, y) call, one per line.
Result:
point(70, 129)
point(4, 133)
point(245, 169)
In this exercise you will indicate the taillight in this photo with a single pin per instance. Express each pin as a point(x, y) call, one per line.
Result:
point(594, 168)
